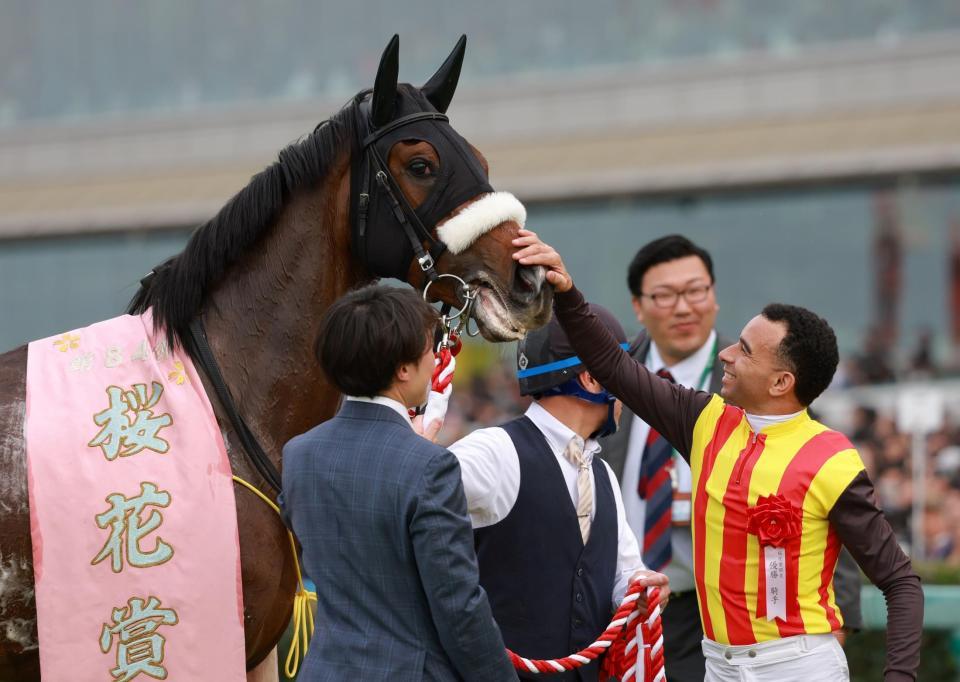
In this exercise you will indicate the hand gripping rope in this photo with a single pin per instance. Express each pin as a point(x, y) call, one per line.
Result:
point(442, 376)
point(621, 641)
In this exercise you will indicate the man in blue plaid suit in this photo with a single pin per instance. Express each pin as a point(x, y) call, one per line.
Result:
point(381, 514)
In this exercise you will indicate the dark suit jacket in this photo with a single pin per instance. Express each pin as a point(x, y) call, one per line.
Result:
point(382, 518)
point(846, 580)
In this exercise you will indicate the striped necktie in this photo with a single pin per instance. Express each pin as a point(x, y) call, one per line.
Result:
point(574, 454)
point(656, 489)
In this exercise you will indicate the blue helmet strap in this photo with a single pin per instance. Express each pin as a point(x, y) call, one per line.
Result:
point(573, 388)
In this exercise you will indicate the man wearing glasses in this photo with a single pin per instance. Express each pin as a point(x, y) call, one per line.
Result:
point(672, 288)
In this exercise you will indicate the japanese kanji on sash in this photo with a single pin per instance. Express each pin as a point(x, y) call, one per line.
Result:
point(134, 530)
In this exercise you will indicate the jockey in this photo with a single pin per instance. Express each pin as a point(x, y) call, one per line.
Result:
point(776, 493)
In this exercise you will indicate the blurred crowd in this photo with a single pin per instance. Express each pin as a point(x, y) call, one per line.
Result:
point(887, 455)
point(489, 396)
point(877, 362)
point(887, 452)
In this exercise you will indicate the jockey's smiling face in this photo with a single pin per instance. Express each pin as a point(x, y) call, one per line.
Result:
point(755, 375)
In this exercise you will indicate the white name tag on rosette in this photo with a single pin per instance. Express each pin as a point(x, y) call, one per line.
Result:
point(776, 522)
point(775, 563)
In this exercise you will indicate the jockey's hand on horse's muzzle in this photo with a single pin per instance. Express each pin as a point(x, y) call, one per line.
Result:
point(532, 251)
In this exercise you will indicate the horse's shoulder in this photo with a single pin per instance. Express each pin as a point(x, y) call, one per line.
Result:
point(13, 368)
point(13, 401)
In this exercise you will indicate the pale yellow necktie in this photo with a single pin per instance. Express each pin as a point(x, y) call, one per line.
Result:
point(574, 454)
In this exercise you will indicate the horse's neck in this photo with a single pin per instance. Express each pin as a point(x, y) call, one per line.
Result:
point(262, 320)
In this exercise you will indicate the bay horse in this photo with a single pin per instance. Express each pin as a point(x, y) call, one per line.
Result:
point(366, 195)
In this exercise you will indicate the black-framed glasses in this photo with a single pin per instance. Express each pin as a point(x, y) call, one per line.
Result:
point(668, 298)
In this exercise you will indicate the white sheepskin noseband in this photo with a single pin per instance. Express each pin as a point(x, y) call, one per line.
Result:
point(480, 217)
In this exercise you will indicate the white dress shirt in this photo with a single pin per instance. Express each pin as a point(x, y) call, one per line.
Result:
point(394, 405)
point(688, 372)
point(490, 468)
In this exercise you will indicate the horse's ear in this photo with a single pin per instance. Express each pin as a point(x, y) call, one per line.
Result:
point(385, 87)
point(441, 86)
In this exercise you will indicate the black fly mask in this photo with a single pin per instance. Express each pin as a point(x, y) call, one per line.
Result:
point(387, 232)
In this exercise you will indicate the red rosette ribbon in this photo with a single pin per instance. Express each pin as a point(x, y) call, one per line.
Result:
point(777, 523)
point(775, 520)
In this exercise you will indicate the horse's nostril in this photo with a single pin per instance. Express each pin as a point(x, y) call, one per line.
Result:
point(521, 282)
point(527, 282)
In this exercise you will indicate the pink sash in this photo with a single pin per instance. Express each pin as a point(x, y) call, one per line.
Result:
point(135, 548)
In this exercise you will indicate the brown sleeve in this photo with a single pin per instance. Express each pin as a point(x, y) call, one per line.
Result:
point(864, 531)
point(670, 409)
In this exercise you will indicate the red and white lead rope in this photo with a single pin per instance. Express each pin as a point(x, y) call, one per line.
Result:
point(442, 370)
point(621, 641)
point(652, 638)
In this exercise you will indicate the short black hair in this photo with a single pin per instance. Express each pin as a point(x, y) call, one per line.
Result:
point(809, 348)
point(663, 250)
point(366, 335)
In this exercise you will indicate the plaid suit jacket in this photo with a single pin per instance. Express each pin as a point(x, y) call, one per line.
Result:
point(382, 518)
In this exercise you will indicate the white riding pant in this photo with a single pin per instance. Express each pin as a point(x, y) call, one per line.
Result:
point(801, 658)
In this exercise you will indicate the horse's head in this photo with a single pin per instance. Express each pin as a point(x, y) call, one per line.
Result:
point(422, 205)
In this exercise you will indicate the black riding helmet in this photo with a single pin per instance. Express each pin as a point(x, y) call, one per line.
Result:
point(545, 358)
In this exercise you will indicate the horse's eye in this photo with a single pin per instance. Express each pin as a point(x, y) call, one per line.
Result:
point(420, 168)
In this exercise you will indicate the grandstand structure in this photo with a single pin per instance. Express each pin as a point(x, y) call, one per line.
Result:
point(716, 118)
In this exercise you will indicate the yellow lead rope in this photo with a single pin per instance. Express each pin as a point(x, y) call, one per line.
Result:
point(302, 615)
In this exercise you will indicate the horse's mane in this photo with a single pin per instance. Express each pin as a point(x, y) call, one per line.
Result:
point(177, 288)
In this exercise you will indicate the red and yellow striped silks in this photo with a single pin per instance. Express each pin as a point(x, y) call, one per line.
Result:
point(800, 459)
